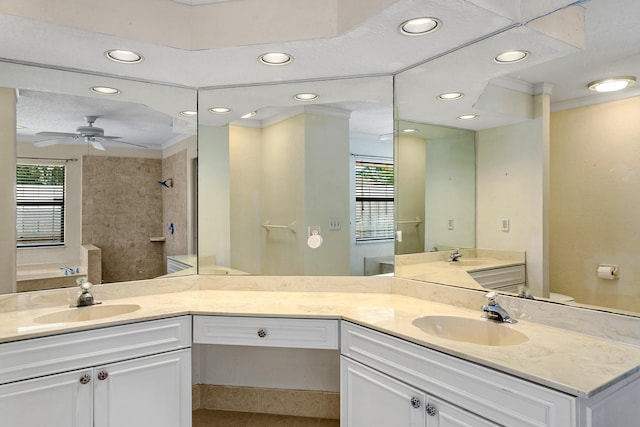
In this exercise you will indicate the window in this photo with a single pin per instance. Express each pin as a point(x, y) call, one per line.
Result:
point(374, 199)
point(39, 204)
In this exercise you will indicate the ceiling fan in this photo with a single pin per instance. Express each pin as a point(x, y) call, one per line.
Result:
point(90, 134)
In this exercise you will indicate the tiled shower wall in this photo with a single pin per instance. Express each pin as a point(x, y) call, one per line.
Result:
point(121, 210)
point(174, 203)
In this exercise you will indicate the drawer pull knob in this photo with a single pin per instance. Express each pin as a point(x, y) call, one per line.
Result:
point(415, 402)
point(431, 410)
point(262, 332)
point(103, 375)
point(85, 379)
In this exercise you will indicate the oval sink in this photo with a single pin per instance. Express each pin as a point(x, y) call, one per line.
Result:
point(475, 331)
point(82, 314)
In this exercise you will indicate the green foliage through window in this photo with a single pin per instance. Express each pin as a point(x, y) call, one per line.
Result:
point(39, 204)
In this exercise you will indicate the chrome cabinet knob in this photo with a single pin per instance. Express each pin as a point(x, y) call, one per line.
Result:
point(103, 375)
point(431, 410)
point(262, 332)
point(415, 402)
point(85, 379)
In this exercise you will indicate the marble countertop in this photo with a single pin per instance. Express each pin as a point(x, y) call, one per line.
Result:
point(577, 364)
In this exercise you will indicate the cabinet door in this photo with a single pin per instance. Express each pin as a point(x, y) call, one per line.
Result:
point(371, 399)
point(444, 414)
point(63, 400)
point(149, 391)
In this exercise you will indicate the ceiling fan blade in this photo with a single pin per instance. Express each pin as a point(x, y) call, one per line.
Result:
point(54, 141)
point(57, 134)
point(110, 139)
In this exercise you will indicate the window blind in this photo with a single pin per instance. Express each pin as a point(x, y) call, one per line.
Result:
point(39, 204)
point(374, 200)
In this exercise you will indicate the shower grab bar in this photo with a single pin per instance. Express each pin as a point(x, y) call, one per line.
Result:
point(415, 221)
point(268, 226)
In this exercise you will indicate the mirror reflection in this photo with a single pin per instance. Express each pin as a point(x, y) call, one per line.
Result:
point(278, 194)
point(553, 165)
point(120, 208)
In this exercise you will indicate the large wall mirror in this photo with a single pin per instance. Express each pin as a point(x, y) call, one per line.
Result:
point(106, 178)
point(555, 161)
point(277, 173)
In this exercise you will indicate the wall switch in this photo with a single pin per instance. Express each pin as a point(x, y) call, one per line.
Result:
point(505, 224)
point(450, 224)
point(334, 224)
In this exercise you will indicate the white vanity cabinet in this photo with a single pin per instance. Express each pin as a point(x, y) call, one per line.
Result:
point(389, 381)
point(121, 376)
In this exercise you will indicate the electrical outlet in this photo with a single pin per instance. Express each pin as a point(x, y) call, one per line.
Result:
point(505, 224)
point(450, 224)
point(334, 224)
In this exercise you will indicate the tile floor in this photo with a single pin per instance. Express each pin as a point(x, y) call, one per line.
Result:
point(211, 418)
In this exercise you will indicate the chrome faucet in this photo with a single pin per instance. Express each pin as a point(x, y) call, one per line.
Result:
point(493, 311)
point(453, 256)
point(85, 298)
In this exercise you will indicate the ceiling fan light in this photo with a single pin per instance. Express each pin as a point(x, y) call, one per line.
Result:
point(511, 56)
point(419, 26)
point(611, 84)
point(275, 58)
point(105, 90)
point(124, 56)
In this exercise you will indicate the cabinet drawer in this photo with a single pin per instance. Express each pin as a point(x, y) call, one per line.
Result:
point(496, 278)
point(266, 332)
point(43, 356)
point(500, 397)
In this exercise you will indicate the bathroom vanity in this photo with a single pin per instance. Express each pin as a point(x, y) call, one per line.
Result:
point(393, 370)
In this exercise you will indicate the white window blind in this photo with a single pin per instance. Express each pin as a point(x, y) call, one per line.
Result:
point(39, 204)
point(374, 199)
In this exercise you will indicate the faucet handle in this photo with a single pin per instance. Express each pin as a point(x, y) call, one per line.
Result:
point(84, 284)
point(491, 297)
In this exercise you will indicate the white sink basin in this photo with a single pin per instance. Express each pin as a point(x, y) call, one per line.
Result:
point(82, 314)
point(475, 331)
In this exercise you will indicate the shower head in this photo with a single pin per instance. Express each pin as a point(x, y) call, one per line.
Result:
point(167, 183)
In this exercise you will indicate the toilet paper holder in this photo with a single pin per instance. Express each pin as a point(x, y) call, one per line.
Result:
point(608, 271)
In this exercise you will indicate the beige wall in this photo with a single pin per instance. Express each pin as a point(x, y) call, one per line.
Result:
point(595, 202)
point(450, 192)
point(121, 211)
point(410, 186)
point(511, 185)
point(7, 190)
point(245, 156)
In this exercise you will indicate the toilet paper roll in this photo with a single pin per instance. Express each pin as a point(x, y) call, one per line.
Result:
point(607, 272)
point(314, 241)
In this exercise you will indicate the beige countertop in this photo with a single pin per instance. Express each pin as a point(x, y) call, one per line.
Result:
point(570, 362)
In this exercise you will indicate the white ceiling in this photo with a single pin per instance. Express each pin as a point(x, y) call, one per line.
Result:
point(457, 57)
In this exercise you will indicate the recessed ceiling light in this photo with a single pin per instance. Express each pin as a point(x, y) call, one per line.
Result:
point(248, 115)
point(468, 117)
point(20, 127)
point(306, 96)
point(611, 84)
point(409, 130)
point(188, 113)
point(511, 56)
point(450, 96)
point(220, 110)
point(124, 56)
point(275, 58)
point(419, 26)
point(105, 90)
